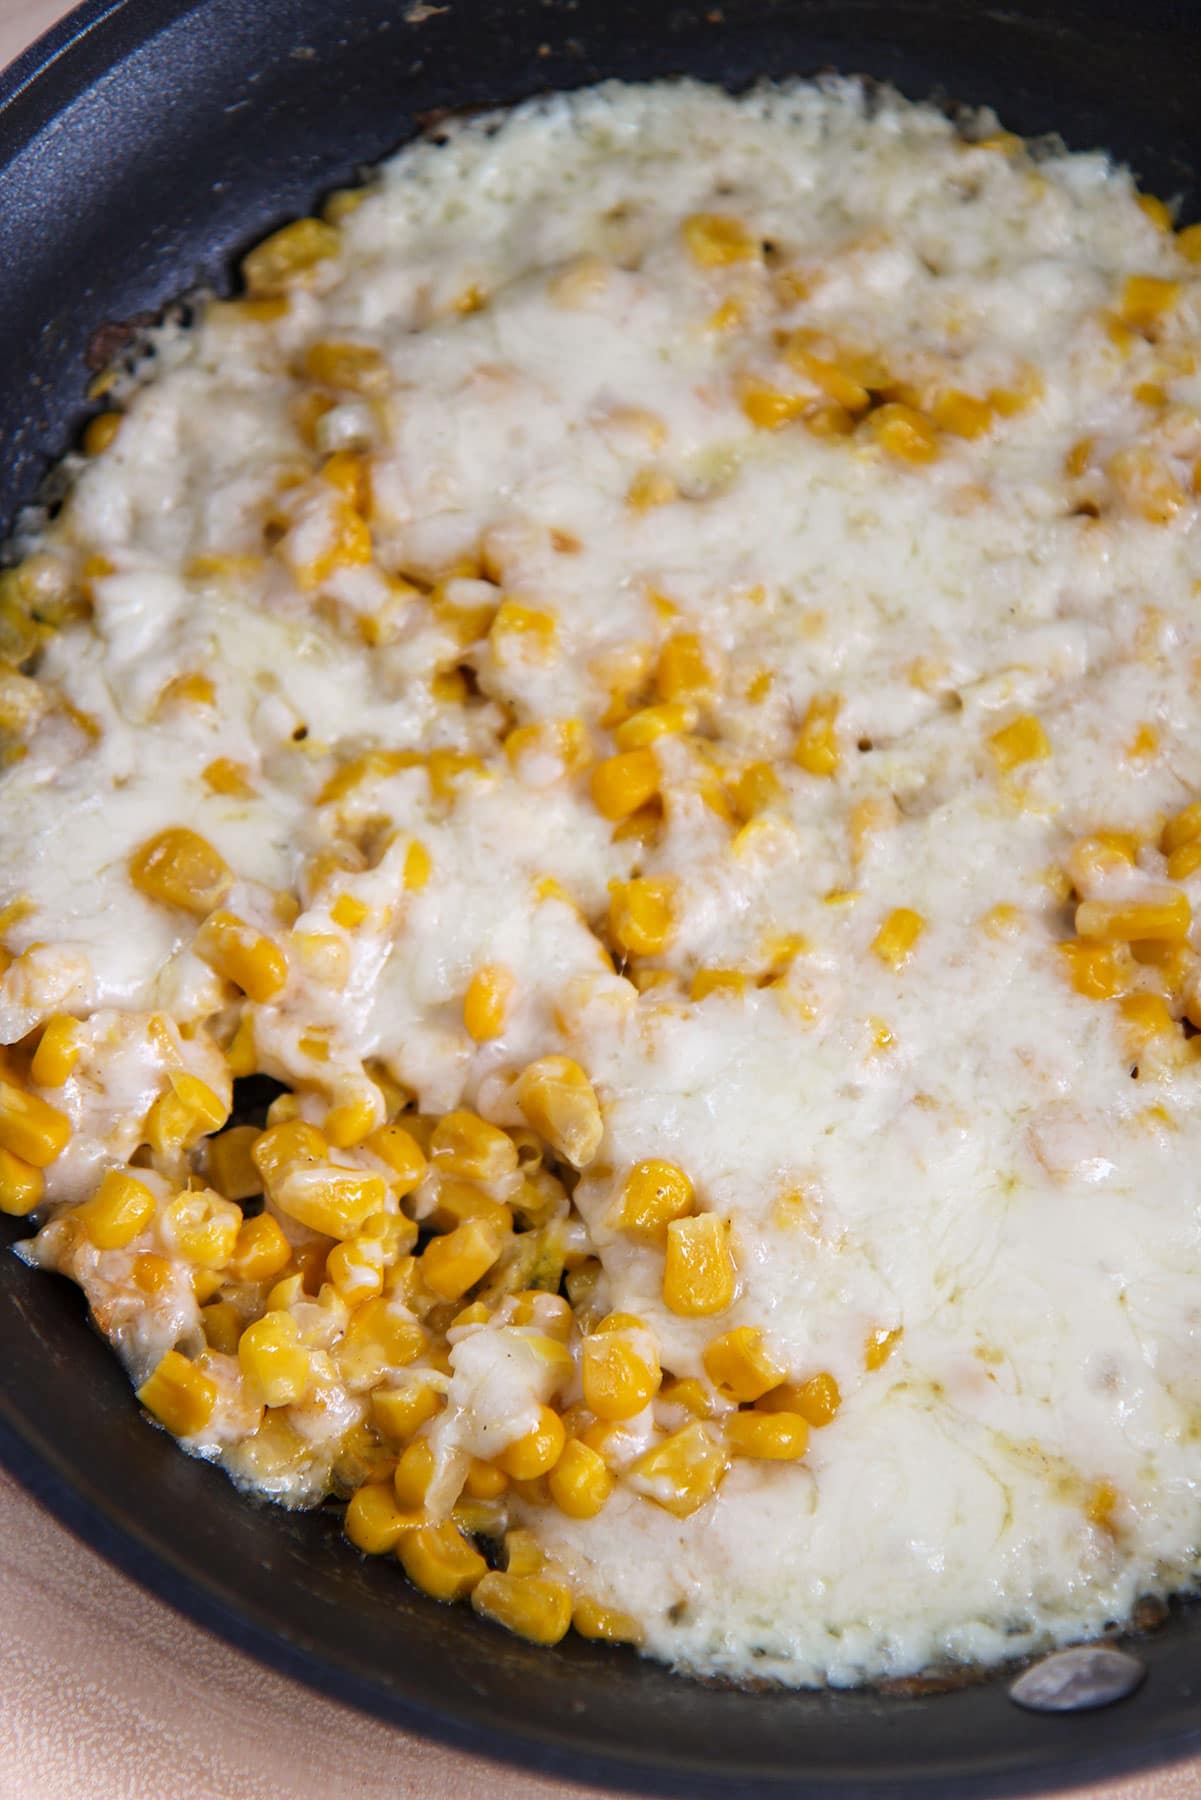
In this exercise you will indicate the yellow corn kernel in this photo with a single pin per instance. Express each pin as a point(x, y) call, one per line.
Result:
point(683, 672)
point(618, 1379)
point(352, 368)
point(452, 1264)
point(29, 1128)
point(231, 1164)
point(188, 1111)
point(260, 1252)
point(347, 911)
point(903, 432)
point(487, 1001)
point(817, 743)
point(839, 383)
point(99, 433)
point(816, 1400)
point(374, 1523)
point(152, 1274)
point(523, 1553)
point(537, 1451)
point(57, 1052)
point(623, 783)
point(699, 1275)
point(181, 1396)
point(738, 1365)
point(691, 1394)
point(560, 1104)
point(226, 777)
point(1146, 1016)
point(1078, 458)
point(333, 1201)
point(350, 472)
point(604, 1623)
point(642, 915)
point(414, 1473)
point(879, 1346)
point(378, 1339)
point(349, 1123)
point(121, 1207)
point(402, 1155)
point(644, 827)
point(1145, 483)
point(372, 766)
point(392, 1234)
point(757, 789)
point(401, 1412)
point(1174, 963)
point(894, 941)
point(290, 252)
point(563, 741)
point(529, 1606)
point(768, 1436)
point(715, 240)
point(485, 1481)
point(202, 1227)
point(188, 690)
point(961, 415)
point(718, 981)
point(273, 1360)
point(479, 1518)
point(242, 955)
point(645, 727)
point(466, 1145)
point(179, 868)
point(681, 1472)
point(290, 1143)
point(21, 1186)
point(1146, 298)
point(439, 1560)
point(1099, 854)
point(205, 1283)
point(1156, 211)
point(580, 1482)
point(767, 406)
point(1183, 828)
point(241, 1056)
point(1188, 242)
point(653, 1194)
point(1184, 862)
point(459, 1201)
point(222, 1324)
point(522, 633)
point(650, 488)
point(1023, 740)
point(826, 420)
point(355, 1269)
point(1165, 919)
point(1092, 969)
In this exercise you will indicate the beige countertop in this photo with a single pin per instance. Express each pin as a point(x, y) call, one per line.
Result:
point(109, 1695)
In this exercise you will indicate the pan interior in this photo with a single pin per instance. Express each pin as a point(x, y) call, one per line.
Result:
point(138, 158)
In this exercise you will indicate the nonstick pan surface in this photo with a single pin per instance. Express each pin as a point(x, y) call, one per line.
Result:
point(142, 144)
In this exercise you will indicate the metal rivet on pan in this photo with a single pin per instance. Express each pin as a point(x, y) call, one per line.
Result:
point(1078, 1679)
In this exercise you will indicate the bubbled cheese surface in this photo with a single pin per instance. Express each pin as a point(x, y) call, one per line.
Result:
point(603, 446)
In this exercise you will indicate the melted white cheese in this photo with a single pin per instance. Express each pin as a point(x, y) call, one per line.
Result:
point(976, 1166)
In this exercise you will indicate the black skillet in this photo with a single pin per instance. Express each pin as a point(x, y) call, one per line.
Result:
point(141, 144)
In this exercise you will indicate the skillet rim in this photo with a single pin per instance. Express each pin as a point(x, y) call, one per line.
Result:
point(166, 1573)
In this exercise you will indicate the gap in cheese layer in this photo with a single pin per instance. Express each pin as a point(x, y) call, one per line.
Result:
point(646, 674)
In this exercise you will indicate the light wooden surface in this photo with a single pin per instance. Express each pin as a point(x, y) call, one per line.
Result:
point(106, 1694)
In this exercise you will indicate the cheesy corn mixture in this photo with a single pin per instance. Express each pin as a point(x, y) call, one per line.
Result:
point(645, 676)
